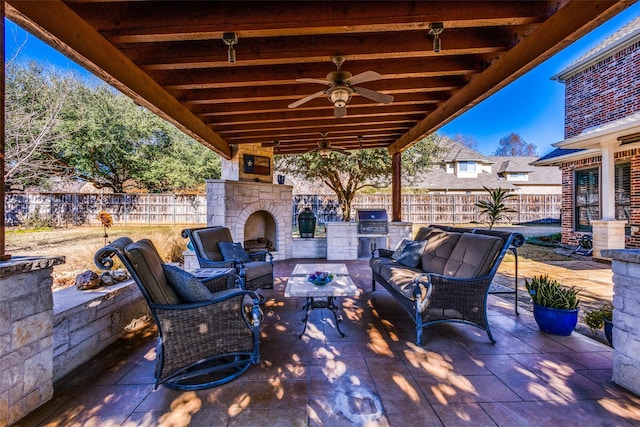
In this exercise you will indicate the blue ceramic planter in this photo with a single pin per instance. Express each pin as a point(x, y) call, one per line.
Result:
point(554, 320)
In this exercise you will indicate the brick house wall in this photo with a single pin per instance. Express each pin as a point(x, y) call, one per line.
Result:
point(606, 91)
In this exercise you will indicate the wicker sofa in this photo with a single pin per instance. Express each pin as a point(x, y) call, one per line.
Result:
point(451, 277)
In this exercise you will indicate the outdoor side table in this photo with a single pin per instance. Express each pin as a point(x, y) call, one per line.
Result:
point(207, 275)
point(342, 285)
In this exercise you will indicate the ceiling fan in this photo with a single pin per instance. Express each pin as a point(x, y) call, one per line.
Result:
point(342, 86)
point(324, 147)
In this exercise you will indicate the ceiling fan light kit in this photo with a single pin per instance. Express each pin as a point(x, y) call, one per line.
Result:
point(339, 96)
point(342, 86)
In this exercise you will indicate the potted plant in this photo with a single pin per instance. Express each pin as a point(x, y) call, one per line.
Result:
point(555, 307)
point(601, 319)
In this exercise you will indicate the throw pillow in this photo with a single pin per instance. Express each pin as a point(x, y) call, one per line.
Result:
point(409, 252)
point(232, 251)
point(186, 285)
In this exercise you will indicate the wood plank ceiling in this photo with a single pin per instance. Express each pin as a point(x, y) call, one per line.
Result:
point(171, 57)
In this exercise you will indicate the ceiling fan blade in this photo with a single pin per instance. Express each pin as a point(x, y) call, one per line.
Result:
point(319, 81)
point(339, 112)
point(373, 95)
point(306, 99)
point(341, 151)
point(367, 76)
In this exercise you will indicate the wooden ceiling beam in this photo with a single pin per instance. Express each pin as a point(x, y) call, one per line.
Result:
point(59, 26)
point(271, 135)
point(315, 123)
point(572, 21)
point(260, 52)
point(286, 74)
point(132, 23)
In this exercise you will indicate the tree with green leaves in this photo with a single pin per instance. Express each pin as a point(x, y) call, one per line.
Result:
point(513, 145)
point(495, 209)
point(346, 175)
point(117, 144)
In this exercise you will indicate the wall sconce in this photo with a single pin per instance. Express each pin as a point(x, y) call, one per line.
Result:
point(230, 39)
point(339, 95)
point(436, 28)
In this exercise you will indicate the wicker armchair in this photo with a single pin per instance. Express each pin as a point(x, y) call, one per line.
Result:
point(200, 344)
point(255, 268)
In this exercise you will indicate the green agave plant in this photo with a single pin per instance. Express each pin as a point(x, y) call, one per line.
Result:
point(549, 293)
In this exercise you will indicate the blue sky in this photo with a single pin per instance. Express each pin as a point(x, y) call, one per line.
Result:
point(532, 106)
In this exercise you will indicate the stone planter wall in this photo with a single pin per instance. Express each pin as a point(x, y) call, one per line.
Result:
point(626, 317)
point(26, 335)
point(86, 322)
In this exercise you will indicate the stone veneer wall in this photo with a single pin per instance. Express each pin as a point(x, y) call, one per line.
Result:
point(626, 317)
point(342, 238)
point(230, 203)
point(86, 322)
point(26, 335)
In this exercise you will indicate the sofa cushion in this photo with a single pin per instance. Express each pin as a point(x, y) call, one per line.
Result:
point(206, 240)
point(438, 250)
point(255, 269)
point(377, 263)
point(231, 251)
point(186, 285)
point(409, 252)
point(424, 233)
point(401, 277)
point(472, 256)
point(147, 264)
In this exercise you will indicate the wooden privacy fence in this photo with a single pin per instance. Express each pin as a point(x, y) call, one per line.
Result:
point(435, 208)
point(67, 209)
point(70, 209)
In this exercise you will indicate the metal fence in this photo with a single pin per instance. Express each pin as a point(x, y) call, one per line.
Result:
point(71, 209)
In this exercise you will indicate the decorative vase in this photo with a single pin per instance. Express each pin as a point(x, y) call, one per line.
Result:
point(555, 321)
point(307, 223)
point(281, 179)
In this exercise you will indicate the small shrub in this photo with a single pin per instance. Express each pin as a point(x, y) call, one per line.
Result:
point(36, 220)
point(594, 319)
point(175, 247)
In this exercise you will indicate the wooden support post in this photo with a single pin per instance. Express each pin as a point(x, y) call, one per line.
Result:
point(396, 187)
point(3, 255)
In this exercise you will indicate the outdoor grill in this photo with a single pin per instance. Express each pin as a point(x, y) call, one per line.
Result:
point(373, 221)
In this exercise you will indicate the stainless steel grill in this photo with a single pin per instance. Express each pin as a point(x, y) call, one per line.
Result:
point(373, 221)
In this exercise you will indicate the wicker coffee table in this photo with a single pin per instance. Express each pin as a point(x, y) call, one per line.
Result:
point(342, 285)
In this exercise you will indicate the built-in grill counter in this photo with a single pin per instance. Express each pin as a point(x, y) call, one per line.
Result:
point(373, 231)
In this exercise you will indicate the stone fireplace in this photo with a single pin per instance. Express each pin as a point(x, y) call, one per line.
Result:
point(252, 210)
point(250, 205)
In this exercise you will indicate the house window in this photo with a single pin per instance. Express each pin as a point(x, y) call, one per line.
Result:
point(623, 192)
point(518, 176)
point(467, 166)
point(587, 198)
point(587, 195)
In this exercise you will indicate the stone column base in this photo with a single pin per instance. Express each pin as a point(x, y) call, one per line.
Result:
point(607, 235)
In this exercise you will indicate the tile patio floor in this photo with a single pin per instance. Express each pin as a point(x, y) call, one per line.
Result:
point(375, 376)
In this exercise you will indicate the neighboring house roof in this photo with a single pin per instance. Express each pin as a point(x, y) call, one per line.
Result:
point(457, 152)
point(537, 175)
point(440, 180)
point(626, 36)
point(556, 155)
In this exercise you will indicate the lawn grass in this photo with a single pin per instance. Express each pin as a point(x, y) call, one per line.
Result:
point(79, 244)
